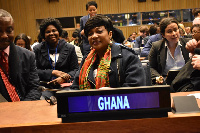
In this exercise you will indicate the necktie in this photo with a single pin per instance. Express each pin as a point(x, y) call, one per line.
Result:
point(4, 74)
point(3, 62)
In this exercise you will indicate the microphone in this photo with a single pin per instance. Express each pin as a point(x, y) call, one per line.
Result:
point(197, 51)
point(52, 100)
point(42, 88)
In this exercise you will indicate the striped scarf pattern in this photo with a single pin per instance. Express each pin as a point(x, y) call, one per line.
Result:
point(102, 78)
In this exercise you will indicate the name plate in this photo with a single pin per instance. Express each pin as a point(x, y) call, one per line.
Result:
point(113, 104)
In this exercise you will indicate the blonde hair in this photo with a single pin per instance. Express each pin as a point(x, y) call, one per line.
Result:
point(182, 27)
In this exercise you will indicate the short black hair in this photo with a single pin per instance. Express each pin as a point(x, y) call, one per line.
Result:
point(153, 30)
point(165, 22)
point(118, 35)
point(195, 25)
point(64, 34)
point(97, 21)
point(50, 21)
point(75, 34)
point(195, 12)
point(25, 38)
point(39, 37)
point(91, 3)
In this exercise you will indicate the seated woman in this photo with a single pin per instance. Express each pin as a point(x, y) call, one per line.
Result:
point(168, 53)
point(188, 78)
point(56, 59)
point(23, 41)
point(195, 42)
point(107, 64)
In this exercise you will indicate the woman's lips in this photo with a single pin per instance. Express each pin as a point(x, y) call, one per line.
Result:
point(52, 38)
point(95, 42)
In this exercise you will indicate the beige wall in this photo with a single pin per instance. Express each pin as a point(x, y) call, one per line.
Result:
point(25, 12)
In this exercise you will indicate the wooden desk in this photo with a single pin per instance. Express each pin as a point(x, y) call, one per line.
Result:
point(38, 116)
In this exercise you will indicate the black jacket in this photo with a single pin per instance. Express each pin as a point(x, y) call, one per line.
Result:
point(67, 60)
point(188, 79)
point(130, 68)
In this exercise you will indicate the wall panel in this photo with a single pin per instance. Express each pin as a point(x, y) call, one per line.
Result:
point(25, 12)
point(41, 8)
point(108, 6)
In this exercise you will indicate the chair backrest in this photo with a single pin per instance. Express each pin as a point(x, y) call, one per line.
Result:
point(146, 66)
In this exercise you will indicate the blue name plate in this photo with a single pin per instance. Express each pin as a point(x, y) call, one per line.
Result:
point(113, 103)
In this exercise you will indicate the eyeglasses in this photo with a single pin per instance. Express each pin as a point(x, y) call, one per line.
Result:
point(195, 32)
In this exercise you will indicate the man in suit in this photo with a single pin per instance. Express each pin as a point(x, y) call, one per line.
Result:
point(148, 45)
point(142, 39)
point(91, 8)
point(18, 78)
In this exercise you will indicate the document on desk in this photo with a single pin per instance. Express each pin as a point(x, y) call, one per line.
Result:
point(197, 95)
point(66, 85)
point(2, 99)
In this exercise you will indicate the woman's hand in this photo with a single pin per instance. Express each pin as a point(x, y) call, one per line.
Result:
point(65, 76)
point(159, 80)
point(61, 75)
point(58, 80)
point(57, 73)
point(196, 62)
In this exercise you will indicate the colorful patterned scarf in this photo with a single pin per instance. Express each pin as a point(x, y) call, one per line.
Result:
point(102, 78)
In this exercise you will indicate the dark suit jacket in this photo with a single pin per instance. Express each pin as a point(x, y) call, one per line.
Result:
point(22, 74)
point(187, 79)
point(147, 47)
point(86, 45)
point(67, 60)
point(138, 41)
point(84, 19)
point(158, 54)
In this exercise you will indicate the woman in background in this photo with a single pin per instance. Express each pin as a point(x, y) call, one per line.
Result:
point(56, 59)
point(23, 41)
point(168, 53)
